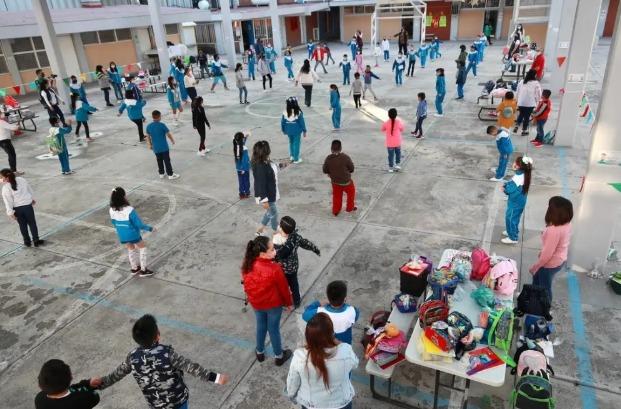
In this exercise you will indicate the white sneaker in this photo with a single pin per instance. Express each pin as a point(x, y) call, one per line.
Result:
point(207, 150)
point(291, 158)
point(162, 176)
point(507, 240)
point(496, 180)
point(397, 168)
point(391, 170)
point(174, 176)
point(438, 115)
point(504, 233)
point(298, 161)
point(200, 153)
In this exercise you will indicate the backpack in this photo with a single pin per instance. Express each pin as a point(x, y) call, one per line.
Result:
point(534, 300)
point(533, 362)
point(481, 264)
point(500, 332)
point(502, 278)
point(533, 390)
point(432, 311)
point(548, 138)
point(488, 87)
point(459, 325)
point(507, 112)
point(52, 142)
point(378, 320)
point(405, 303)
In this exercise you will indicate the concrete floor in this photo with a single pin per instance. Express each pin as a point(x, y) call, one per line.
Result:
point(74, 299)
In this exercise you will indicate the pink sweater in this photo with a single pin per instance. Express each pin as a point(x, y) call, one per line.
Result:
point(393, 139)
point(555, 241)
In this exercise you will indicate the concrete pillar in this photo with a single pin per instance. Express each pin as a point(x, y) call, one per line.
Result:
point(283, 33)
point(342, 33)
point(602, 18)
point(160, 37)
point(578, 60)
point(78, 46)
point(52, 48)
point(188, 37)
point(11, 64)
point(499, 19)
point(554, 23)
point(276, 27)
point(560, 48)
point(142, 43)
point(303, 29)
point(454, 26)
point(416, 25)
point(596, 220)
point(228, 39)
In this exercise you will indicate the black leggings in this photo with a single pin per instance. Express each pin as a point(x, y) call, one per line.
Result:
point(139, 123)
point(411, 65)
point(308, 93)
point(201, 132)
point(26, 219)
point(77, 129)
point(267, 76)
point(7, 145)
point(524, 117)
point(357, 100)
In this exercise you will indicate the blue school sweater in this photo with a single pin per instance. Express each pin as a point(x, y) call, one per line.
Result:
point(81, 114)
point(440, 85)
point(292, 126)
point(244, 162)
point(503, 142)
point(343, 318)
point(127, 224)
point(514, 190)
point(335, 100)
point(134, 108)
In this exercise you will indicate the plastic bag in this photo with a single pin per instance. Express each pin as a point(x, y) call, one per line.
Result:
point(484, 296)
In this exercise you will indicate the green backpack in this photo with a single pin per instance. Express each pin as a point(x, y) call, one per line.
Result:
point(500, 334)
point(532, 392)
point(53, 144)
point(548, 138)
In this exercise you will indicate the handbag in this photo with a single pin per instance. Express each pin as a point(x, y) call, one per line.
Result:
point(405, 303)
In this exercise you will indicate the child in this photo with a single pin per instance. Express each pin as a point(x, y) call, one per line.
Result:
point(131, 86)
point(134, 112)
point(128, 226)
point(505, 111)
point(310, 47)
point(287, 254)
point(368, 79)
point(473, 61)
point(422, 53)
point(398, 66)
point(482, 46)
point(81, 117)
point(386, 49)
point(288, 61)
point(542, 111)
point(264, 70)
point(239, 81)
point(505, 149)
point(242, 164)
point(440, 91)
point(156, 139)
point(328, 54)
point(377, 51)
point(251, 62)
point(158, 369)
point(392, 128)
point(435, 48)
point(460, 80)
point(411, 61)
point(174, 99)
point(346, 66)
point(343, 315)
point(516, 190)
point(77, 93)
point(56, 389)
point(356, 88)
point(270, 56)
point(218, 74)
point(292, 124)
point(199, 120)
point(359, 62)
point(353, 47)
point(335, 106)
point(318, 57)
point(421, 114)
point(58, 145)
point(177, 70)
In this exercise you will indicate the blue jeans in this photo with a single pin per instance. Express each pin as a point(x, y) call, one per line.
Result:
point(244, 182)
point(386, 55)
point(243, 90)
point(185, 405)
point(336, 117)
point(399, 77)
point(63, 157)
point(271, 216)
point(503, 159)
point(540, 132)
point(346, 78)
point(117, 91)
point(295, 141)
point(543, 277)
point(439, 101)
point(269, 321)
point(471, 66)
point(460, 90)
point(423, 61)
point(512, 221)
point(394, 155)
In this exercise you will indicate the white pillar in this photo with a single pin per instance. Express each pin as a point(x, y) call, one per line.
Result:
point(560, 48)
point(276, 27)
point(596, 220)
point(160, 38)
point(578, 60)
point(78, 46)
point(48, 34)
point(228, 38)
point(499, 20)
point(602, 18)
point(552, 35)
point(11, 64)
point(188, 37)
point(303, 29)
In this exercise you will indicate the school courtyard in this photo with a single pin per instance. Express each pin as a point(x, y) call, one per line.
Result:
point(74, 298)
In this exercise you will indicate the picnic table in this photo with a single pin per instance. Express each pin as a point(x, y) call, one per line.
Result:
point(20, 116)
point(520, 71)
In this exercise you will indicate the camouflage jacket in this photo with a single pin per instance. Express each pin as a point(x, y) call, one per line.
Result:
point(287, 254)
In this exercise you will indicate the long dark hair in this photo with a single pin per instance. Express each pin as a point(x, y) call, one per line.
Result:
point(238, 145)
point(531, 75)
point(319, 337)
point(179, 64)
point(292, 107)
point(392, 114)
point(335, 88)
point(196, 104)
point(99, 69)
point(113, 69)
point(254, 247)
point(560, 211)
point(8, 173)
point(305, 67)
point(117, 199)
point(171, 82)
point(238, 67)
point(527, 169)
point(261, 152)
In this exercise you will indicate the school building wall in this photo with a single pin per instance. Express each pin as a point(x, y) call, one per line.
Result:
point(6, 80)
point(293, 31)
point(470, 24)
point(386, 28)
point(121, 52)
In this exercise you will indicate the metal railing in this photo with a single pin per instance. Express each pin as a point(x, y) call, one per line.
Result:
point(22, 5)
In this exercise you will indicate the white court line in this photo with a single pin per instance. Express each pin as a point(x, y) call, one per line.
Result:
point(491, 219)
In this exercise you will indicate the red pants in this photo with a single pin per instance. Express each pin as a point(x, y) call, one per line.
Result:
point(337, 197)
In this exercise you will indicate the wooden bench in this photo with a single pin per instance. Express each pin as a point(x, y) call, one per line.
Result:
point(404, 323)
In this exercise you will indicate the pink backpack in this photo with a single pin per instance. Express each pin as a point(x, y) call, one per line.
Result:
point(480, 264)
point(503, 277)
point(533, 362)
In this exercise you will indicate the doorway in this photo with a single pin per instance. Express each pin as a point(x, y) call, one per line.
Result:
point(491, 18)
point(247, 32)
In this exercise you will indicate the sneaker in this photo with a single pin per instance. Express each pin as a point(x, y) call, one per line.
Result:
point(420, 136)
point(298, 161)
point(38, 243)
point(200, 153)
point(537, 144)
point(494, 179)
point(145, 273)
point(135, 271)
point(173, 176)
point(397, 168)
point(162, 176)
point(391, 170)
point(414, 133)
point(260, 356)
point(207, 150)
point(27, 244)
point(286, 354)
point(352, 210)
point(246, 102)
point(524, 133)
point(533, 141)
point(18, 173)
point(515, 129)
point(504, 233)
point(438, 115)
point(507, 240)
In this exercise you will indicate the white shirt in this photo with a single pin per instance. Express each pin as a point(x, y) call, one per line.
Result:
point(528, 94)
point(385, 45)
point(5, 130)
point(307, 79)
point(15, 198)
point(189, 81)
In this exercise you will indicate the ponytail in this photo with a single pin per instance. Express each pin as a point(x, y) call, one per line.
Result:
point(8, 173)
point(392, 114)
point(238, 145)
point(525, 164)
point(253, 249)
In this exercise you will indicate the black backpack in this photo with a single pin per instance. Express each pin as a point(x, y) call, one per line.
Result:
point(533, 300)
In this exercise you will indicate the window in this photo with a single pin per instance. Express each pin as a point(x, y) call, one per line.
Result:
point(89, 37)
point(29, 53)
point(359, 9)
point(123, 34)
point(172, 29)
point(106, 36)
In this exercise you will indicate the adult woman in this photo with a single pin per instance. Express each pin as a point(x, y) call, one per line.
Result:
point(265, 173)
point(528, 95)
point(50, 100)
point(319, 375)
point(190, 83)
point(104, 84)
point(115, 80)
point(268, 292)
point(17, 195)
point(555, 242)
point(306, 77)
point(264, 69)
point(292, 124)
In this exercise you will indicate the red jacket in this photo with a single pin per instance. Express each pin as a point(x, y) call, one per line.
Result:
point(318, 54)
point(538, 65)
point(266, 285)
point(542, 111)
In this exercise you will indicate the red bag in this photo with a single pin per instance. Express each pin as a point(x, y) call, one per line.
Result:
point(439, 338)
point(481, 264)
point(432, 311)
point(10, 101)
